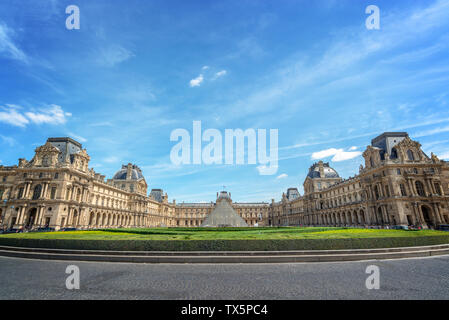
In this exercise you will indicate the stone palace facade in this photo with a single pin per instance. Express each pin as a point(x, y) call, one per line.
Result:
point(399, 185)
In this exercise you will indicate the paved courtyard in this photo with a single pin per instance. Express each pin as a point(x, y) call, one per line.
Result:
point(425, 278)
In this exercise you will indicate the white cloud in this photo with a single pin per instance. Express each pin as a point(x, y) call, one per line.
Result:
point(12, 116)
point(219, 74)
point(338, 154)
point(444, 156)
point(343, 155)
point(352, 148)
point(282, 176)
point(52, 114)
point(205, 68)
point(111, 159)
point(7, 46)
point(265, 170)
point(325, 153)
point(110, 56)
point(8, 140)
point(197, 81)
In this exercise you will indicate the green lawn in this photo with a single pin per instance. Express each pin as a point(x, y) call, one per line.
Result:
point(226, 234)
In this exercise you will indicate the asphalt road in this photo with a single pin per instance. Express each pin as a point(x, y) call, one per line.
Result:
point(424, 278)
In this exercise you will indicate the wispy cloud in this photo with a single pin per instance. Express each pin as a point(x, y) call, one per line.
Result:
point(345, 56)
point(431, 132)
point(282, 176)
point(111, 159)
point(77, 137)
point(112, 55)
point(219, 74)
point(8, 47)
point(8, 140)
point(444, 156)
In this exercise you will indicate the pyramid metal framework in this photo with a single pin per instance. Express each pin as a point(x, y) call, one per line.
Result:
point(224, 214)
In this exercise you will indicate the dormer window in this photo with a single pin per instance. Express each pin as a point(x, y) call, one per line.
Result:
point(46, 161)
point(394, 154)
point(410, 155)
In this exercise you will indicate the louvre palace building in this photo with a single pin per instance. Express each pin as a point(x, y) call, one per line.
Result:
point(398, 185)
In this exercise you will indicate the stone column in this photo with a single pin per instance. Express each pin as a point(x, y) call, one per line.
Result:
point(37, 217)
point(438, 218)
point(385, 216)
point(26, 190)
point(410, 186)
point(421, 216)
point(429, 187)
point(69, 217)
point(20, 214)
point(44, 191)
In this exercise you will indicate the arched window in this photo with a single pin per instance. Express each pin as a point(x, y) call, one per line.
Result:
point(371, 162)
point(394, 154)
point(420, 188)
point(37, 192)
point(410, 155)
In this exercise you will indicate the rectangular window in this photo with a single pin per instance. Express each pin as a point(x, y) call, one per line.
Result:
point(53, 193)
point(438, 189)
point(20, 195)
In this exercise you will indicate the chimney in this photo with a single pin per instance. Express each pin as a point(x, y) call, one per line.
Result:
point(321, 167)
point(129, 171)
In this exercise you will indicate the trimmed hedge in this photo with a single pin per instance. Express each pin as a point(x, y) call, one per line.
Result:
point(226, 245)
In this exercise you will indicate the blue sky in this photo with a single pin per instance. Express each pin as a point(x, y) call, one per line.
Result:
point(136, 70)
